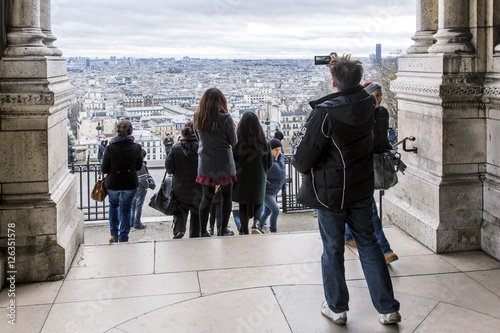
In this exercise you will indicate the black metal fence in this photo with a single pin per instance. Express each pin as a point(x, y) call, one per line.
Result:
point(87, 176)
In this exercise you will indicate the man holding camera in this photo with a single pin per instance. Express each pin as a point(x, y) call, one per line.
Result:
point(335, 156)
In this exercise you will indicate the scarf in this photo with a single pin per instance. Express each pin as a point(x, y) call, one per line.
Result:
point(121, 138)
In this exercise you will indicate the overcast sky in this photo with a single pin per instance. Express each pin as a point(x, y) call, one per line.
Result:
point(248, 29)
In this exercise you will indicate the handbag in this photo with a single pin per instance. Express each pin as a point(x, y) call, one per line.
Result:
point(163, 200)
point(99, 191)
point(385, 169)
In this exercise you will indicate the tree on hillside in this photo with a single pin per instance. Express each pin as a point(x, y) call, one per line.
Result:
point(383, 72)
point(73, 111)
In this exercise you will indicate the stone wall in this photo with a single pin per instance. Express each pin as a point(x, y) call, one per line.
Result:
point(37, 192)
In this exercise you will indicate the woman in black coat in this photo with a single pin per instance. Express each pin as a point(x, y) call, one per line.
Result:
point(252, 156)
point(182, 162)
point(121, 161)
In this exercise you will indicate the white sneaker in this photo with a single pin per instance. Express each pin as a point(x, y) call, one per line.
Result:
point(390, 318)
point(337, 318)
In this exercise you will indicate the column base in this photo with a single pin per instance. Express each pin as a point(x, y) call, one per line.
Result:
point(47, 233)
point(452, 41)
point(423, 40)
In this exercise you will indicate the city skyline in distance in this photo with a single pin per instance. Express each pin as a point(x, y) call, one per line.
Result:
point(231, 29)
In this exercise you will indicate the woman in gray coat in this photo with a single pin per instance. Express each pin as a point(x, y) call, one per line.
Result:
point(217, 135)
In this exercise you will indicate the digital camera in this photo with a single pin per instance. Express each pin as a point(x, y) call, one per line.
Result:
point(322, 60)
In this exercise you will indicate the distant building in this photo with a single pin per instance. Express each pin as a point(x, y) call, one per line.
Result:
point(378, 52)
point(161, 126)
point(152, 143)
point(292, 121)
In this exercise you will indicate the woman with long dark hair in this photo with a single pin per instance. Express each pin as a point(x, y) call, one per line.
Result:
point(217, 135)
point(253, 158)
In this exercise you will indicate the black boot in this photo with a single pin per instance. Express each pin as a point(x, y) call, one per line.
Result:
point(225, 232)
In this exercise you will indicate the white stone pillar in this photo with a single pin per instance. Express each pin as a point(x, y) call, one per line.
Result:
point(427, 24)
point(453, 34)
point(24, 36)
point(37, 191)
point(46, 26)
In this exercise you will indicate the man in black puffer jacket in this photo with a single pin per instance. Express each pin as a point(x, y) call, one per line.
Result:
point(335, 155)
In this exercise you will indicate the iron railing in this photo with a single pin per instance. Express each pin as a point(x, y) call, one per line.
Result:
point(87, 176)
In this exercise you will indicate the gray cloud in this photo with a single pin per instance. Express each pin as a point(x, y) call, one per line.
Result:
point(230, 28)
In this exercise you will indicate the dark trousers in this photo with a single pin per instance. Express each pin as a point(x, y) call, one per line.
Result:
point(180, 220)
point(246, 211)
point(226, 205)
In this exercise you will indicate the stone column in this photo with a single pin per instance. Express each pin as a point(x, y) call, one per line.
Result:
point(427, 24)
point(453, 35)
point(439, 199)
point(24, 36)
point(46, 26)
point(37, 192)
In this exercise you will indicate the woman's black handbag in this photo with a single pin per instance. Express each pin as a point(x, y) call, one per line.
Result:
point(163, 200)
point(385, 169)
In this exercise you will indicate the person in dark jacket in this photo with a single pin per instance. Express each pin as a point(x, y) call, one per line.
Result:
point(278, 134)
point(182, 163)
point(168, 142)
point(252, 156)
point(276, 181)
point(335, 155)
point(215, 131)
point(102, 148)
point(380, 144)
point(146, 182)
point(121, 161)
point(71, 154)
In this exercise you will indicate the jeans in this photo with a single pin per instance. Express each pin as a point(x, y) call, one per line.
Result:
point(137, 204)
point(236, 216)
point(379, 232)
point(270, 208)
point(332, 228)
point(120, 212)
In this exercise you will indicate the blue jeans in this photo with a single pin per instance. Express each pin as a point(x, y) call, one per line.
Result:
point(236, 216)
point(270, 208)
point(120, 212)
point(332, 227)
point(379, 232)
point(137, 204)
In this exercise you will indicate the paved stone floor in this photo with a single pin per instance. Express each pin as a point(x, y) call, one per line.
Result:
point(256, 283)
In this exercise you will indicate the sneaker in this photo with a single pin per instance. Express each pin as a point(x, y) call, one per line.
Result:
point(113, 239)
point(337, 318)
point(141, 226)
point(256, 231)
point(390, 318)
point(351, 243)
point(390, 257)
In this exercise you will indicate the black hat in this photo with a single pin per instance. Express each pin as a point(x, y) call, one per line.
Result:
point(275, 143)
